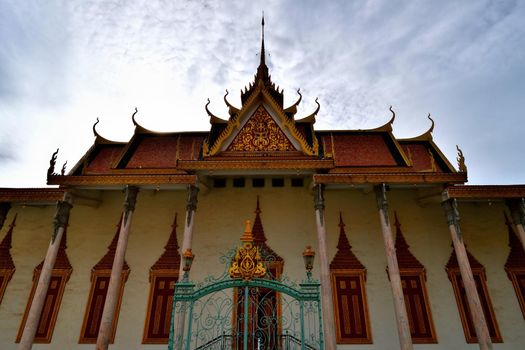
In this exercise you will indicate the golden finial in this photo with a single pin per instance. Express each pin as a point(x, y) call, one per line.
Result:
point(247, 236)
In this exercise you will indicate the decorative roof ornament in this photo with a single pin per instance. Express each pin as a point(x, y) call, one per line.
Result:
point(95, 128)
point(133, 117)
point(461, 161)
point(388, 125)
point(232, 110)
point(432, 126)
point(63, 171)
point(247, 263)
point(213, 118)
point(293, 108)
point(52, 162)
point(311, 118)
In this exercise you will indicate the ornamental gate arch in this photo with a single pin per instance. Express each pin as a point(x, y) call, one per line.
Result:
point(243, 312)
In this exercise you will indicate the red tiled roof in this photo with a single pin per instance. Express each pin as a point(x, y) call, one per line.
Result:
point(104, 159)
point(6, 261)
point(155, 152)
point(190, 146)
point(170, 259)
point(362, 150)
point(420, 156)
point(345, 258)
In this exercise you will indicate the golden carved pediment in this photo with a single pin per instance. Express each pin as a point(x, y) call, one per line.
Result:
point(261, 134)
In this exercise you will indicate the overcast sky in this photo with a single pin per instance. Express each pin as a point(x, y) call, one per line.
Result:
point(65, 63)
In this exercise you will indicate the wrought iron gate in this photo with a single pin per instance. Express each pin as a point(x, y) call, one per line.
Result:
point(243, 313)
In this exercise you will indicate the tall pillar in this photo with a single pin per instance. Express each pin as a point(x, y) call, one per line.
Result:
point(326, 286)
point(517, 210)
point(4, 209)
point(60, 222)
point(104, 333)
point(191, 208)
point(179, 318)
point(403, 326)
point(480, 324)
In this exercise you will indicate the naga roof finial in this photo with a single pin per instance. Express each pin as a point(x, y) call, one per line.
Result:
point(461, 161)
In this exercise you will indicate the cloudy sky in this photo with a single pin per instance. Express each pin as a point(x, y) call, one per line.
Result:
point(65, 63)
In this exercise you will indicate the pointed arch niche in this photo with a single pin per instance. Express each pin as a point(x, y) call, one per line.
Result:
point(100, 275)
point(515, 266)
point(348, 278)
point(162, 277)
point(59, 277)
point(478, 271)
point(413, 281)
point(7, 267)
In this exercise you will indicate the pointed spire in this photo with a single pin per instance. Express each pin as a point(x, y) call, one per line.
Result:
point(262, 70)
point(344, 258)
point(263, 54)
point(170, 259)
point(405, 258)
point(6, 261)
point(516, 256)
point(259, 238)
point(106, 263)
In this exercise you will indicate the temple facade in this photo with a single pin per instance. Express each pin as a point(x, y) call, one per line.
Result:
point(263, 233)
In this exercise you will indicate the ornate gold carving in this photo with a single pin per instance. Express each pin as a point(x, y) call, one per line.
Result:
point(261, 133)
point(247, 263)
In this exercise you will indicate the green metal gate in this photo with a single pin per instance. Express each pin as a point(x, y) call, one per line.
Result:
point(242, 314)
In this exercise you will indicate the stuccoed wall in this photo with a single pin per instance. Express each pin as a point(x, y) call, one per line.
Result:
point(289, 223)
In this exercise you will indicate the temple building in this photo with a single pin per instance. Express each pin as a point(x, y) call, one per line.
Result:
point(263, 233)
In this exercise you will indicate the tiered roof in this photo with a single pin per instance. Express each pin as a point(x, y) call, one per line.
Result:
point(263, 134)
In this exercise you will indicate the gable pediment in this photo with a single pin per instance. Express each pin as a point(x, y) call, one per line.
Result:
point(260, 133)
point(261, 126)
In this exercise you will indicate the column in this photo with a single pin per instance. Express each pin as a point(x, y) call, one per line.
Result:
point(403, 326)
point(517, 210)
point(326, 284)
point(104, 333)
point(480, 324)
point(179, 319)
point(60, 222)
point(191, 208)
point(4, 209)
